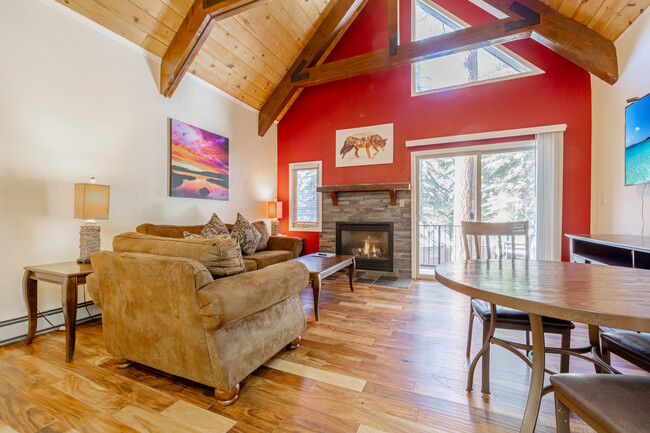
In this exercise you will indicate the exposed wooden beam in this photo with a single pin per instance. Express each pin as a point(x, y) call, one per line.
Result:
point(572, 40)
point(494, 32)
point(393, 26)
point(329, 32)
point(191, 35)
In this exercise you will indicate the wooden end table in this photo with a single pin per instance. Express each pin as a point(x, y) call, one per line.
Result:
point(69, 275)
point(320, 267)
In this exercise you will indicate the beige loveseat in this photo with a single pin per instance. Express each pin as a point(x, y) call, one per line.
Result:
point(278, 248)
point(169, 313)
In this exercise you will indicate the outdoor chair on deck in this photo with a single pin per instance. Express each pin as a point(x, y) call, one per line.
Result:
point(507, 318)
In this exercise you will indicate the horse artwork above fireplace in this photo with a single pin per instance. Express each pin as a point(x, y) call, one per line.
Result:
point(370, 243)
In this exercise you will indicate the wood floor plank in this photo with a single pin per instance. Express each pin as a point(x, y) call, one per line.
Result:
point(92, 394)
point(317, 374)
point(80, 416)
point(197, 418)
point(148, 421)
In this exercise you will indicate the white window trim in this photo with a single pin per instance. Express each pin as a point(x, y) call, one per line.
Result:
point(297, 166)
point(534, 70)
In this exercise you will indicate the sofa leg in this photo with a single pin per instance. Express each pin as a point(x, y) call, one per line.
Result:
point(123, 363)
point(295, 343)
point(227, 398)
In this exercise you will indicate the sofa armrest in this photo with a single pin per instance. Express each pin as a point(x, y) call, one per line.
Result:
point(93, 289)
point(229, 299)
point(285, 243)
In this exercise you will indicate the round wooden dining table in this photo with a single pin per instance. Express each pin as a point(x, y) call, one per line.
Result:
point(595, 295)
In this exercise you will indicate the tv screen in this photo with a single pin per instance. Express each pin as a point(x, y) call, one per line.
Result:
point(637, 142)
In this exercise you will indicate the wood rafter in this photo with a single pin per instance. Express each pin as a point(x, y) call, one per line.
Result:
point(191, 35)
point(572, 40)
point(494, 32)
point(314, 53)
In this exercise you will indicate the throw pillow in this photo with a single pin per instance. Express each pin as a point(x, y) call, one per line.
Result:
point(260, 226)
point(188, 235)
point(246, 235)
point(214, 227)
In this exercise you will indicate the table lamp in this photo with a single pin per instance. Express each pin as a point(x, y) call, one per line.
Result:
point(275, 212)
point(90, 203)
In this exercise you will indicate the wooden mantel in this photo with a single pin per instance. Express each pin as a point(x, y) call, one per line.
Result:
point(390, 187)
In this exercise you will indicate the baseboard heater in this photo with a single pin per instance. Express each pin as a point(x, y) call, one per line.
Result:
point(7, 324)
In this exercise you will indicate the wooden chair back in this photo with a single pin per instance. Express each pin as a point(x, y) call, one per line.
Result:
point(499, 230)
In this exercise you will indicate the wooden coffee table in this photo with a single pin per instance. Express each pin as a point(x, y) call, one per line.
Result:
point(321, 267)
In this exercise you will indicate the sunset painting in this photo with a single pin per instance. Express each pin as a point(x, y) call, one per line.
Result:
point(198, 163)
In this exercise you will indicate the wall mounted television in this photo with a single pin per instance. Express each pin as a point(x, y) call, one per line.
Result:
point(637, 142)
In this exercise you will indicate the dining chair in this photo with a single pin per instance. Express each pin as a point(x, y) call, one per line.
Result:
point(631, 346)
point(507, 318)
point(608, 403)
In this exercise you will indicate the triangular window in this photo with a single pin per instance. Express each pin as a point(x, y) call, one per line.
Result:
point(464, 68)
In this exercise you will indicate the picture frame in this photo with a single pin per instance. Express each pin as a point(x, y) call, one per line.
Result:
point(367, 145)
point(198, 162)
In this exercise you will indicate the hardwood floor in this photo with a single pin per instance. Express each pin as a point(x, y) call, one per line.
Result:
point(382, 359)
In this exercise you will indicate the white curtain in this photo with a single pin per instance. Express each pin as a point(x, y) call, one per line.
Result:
point(549, 157)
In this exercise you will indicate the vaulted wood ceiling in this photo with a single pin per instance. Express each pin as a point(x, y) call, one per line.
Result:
point(247, 54)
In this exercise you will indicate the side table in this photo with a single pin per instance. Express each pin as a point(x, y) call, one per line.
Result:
point(69, 275)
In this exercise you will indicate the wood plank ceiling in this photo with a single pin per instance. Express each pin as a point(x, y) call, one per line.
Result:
point(247, 55)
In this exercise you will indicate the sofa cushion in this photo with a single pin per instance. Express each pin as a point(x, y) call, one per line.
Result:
point(270, 257)
point(246, 235)
point(167, 231)
point(260, 226)
point(251, 265)
point(214, 227)
point(219, 255)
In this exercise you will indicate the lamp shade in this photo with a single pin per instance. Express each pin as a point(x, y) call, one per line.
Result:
point(275, 209)
point(91, 201)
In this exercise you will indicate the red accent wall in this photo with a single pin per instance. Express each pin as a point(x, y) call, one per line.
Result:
point(561, 95)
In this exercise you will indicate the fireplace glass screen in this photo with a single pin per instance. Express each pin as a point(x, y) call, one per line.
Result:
point(371, 244)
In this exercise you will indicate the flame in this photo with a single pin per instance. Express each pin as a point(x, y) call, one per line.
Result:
point(366, 249)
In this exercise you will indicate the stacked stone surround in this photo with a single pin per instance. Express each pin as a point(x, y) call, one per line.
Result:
point(371, 207)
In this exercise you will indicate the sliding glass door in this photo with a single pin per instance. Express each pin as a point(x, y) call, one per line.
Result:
point(491, 186)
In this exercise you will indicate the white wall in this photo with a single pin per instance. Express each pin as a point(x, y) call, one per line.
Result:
point(616, 208)
point(78, 101)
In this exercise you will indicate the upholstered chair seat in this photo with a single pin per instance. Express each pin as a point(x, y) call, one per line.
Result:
point(610, 403)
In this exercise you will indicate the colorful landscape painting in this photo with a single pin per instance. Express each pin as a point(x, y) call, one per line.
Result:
point(637, 142)
point(198, 163)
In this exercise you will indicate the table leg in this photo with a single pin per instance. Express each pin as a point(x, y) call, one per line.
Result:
point(69, 304)
point(486, 345)
point(537, 376)
point(351, 270)
point(594, 341)
point(315, 285)
point(31, 297)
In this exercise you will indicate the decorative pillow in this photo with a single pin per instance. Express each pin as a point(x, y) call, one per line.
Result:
point(214, 227)
point(246, 235)
point(260, 226)
point(188, 235)
point(219, 255)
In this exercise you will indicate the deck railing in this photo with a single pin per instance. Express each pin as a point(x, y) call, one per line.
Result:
point(439, 244)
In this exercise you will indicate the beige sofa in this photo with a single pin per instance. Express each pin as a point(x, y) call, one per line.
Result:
point(279, 248)
point(168, 312)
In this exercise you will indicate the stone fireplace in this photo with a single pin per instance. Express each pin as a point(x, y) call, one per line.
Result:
point(363, 219)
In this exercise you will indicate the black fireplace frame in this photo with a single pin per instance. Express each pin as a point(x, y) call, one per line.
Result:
point(362, 263)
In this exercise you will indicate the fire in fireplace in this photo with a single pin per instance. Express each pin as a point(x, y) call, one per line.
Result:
point(370, 243)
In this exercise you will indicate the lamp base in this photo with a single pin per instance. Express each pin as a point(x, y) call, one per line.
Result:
point(89, 242)
point(275, 227)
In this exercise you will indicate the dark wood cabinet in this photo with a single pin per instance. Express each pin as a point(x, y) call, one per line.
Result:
point(613, 250)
